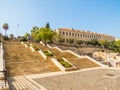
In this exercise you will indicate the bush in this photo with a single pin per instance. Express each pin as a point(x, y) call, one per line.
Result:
point(5, 38)
point(64, 63)
point(48, 53)
point(23, 39)
point(61, 40)
point(28, 44)
point(35, 48)
point(49, 42)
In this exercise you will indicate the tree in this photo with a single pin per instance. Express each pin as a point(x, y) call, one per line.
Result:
point(117, 43)
point(11, 36)
point(27, 36)
point(111, 45)
point(117, 46)
point(22, 38)
point(70, 41)
point(46, 35)
point(79, 42)
point(43, 33)
point(5, 38)
point(35, 28)
point(102, 43)
point(34, 33)
point(87, 43)
point(47, 25)
point(94, 42)
point(61, 40)
point(5, 27)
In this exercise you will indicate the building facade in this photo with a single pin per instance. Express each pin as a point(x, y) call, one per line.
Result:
point(67, 33)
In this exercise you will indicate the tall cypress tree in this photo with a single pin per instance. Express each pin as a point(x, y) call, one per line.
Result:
point(47, 25)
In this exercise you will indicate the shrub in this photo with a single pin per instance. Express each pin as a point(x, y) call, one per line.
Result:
point(23, 39)
point(5, 38)
point(61, 40)
point(47, 53)
point(64, 63)
point(35, 48)
point(28, 44)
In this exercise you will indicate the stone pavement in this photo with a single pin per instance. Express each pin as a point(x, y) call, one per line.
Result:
point(99, 78)
point(91, 79)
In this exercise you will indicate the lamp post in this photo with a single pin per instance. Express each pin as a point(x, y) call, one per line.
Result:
point(17, 29)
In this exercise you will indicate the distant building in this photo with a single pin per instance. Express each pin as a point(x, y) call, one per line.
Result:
point(67, 33)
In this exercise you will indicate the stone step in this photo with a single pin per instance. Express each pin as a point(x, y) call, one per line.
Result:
point(39, 87)
point(21, 83)
point(28, 85)
point(16, 86)
point(34, 85)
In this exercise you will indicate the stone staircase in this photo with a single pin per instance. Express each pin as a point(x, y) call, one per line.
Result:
point(23, 83)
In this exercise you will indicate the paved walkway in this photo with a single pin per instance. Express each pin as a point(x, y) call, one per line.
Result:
point(27, 82)
point(87, 79)
point(93, 79)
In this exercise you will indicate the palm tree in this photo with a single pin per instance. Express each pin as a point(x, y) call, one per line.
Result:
point(5, 27)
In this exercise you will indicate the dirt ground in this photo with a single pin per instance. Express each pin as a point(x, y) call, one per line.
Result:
point(81, 50)
point(20, 60)
point(80, 63)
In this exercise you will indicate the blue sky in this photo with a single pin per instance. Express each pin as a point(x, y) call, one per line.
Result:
point(102, 16)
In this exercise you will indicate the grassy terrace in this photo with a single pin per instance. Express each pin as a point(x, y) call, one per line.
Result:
point(80, 63)
point(22, 61)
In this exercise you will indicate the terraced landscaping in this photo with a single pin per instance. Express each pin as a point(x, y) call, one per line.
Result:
point(23, 61)
point(20, 60)
point(80, 63)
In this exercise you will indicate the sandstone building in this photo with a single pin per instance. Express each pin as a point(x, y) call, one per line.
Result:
point(67, 33)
